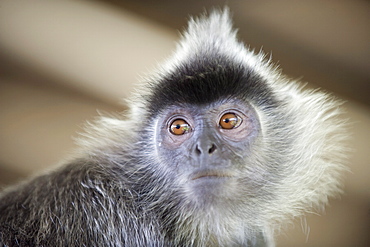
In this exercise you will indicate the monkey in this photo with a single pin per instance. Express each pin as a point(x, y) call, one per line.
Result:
point(218, 148)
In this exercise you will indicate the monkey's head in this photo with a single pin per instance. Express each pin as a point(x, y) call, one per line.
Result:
point(224, 131)
point(207, 127)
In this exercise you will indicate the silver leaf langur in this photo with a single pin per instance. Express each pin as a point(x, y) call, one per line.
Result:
point(218, 149)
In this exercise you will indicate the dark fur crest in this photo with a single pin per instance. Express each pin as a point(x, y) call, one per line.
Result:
point(206, 80)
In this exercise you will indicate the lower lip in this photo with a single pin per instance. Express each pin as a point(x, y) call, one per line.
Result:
point(210, 178)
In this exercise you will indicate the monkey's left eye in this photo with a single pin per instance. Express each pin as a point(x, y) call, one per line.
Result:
point(179, 127)
point(230, 121)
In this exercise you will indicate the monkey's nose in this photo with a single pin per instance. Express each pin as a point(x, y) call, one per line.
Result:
point(204, 149)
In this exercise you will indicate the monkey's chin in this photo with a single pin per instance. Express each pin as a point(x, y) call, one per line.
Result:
point(211, 189)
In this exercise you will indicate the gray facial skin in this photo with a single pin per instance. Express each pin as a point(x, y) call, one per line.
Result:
point(206, 158)
point(218, 149)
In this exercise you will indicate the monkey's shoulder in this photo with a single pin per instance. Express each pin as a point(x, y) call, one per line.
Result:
point(82, 199)
point(75, 183)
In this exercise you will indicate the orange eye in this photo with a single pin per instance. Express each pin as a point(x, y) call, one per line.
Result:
point(179, 127)
point(230, 121)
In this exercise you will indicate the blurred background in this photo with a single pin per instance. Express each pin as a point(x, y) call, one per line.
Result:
point(63, 61)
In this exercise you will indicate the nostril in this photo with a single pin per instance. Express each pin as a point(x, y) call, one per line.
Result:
point(212, 149)
point(197, 150)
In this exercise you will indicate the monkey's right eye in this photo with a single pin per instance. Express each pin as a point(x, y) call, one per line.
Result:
point(179, 127)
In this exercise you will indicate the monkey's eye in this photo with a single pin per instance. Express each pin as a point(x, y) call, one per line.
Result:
point(179, 127)
point(230, 121)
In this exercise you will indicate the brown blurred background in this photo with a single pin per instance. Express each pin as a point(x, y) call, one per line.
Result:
point(61, 61)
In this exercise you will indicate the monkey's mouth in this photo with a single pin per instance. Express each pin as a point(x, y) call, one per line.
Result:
point(211, 174)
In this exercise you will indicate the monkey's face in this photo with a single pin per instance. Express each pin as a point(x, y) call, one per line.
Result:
point(208, 148)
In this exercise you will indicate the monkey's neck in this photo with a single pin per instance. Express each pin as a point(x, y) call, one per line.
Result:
point(212, 227)
point(185, 222)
